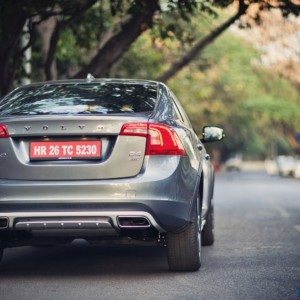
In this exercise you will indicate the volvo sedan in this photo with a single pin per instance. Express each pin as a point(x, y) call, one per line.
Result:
point(104, 160)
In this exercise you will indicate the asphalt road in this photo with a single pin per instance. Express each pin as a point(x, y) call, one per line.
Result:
point(256, 255)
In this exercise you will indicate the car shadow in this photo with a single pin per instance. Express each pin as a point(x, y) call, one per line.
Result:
point(80, 258)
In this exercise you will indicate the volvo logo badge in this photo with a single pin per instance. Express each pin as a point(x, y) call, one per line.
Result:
point(27, 128)
point(81, 126)
point(45, 127)
point(63, 127)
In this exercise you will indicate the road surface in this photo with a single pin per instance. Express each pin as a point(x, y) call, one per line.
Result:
point(256, 255)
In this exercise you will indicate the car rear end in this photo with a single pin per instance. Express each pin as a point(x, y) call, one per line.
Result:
point(89, 160)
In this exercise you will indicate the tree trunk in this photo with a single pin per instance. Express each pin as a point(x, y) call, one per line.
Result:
point(121, 39)
point(12, 17)
point(200, 45)
point(45, 30)
point(59, 26)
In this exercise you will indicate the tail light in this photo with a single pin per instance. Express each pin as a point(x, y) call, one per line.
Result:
point(161, 139)
point(3, 131)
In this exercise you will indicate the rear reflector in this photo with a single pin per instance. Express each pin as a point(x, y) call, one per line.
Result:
point(161, 139)
point(3, 131)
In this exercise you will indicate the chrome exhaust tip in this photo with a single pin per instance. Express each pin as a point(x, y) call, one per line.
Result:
point(133, 222)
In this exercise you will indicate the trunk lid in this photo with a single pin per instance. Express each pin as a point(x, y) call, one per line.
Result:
point(121, 156)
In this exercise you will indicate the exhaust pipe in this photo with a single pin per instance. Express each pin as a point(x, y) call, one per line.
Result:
point(3, 222)
point(133, 222)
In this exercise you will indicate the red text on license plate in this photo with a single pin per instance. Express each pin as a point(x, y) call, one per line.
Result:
point(65, 150)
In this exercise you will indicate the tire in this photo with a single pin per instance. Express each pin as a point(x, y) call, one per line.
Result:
point(208, 229)
point(184, 248)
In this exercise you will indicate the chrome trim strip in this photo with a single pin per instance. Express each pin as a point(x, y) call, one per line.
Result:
point(75, 223)
point(110, 214)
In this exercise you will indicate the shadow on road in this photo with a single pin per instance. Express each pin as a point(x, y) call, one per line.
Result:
point(80, 258)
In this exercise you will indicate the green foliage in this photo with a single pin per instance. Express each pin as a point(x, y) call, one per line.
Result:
point(224, 87)
point(78, 41)
point(255, 107)
point(144, 60)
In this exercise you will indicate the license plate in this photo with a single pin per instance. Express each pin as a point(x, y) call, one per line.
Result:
point(50, 150)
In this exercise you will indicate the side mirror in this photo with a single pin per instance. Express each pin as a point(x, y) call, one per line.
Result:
point(212, 134)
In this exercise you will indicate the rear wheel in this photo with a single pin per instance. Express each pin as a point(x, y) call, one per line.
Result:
point(184, 248)
point(208, 229)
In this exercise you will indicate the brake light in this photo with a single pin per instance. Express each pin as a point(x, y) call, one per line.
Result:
point(135, 129)
point(3, 131)
point(161, 139)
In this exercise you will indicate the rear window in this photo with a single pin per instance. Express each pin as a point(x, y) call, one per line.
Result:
point(80, 98)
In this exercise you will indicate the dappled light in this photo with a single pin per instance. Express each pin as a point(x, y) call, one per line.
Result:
point(149, 149)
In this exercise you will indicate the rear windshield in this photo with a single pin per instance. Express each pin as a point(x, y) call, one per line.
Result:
point(80, 98)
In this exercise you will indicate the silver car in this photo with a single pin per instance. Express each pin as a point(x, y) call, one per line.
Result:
point(112, 160)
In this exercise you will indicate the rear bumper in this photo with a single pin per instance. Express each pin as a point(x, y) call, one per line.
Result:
point(60, 221)
point(164, 215)
point(163, 197)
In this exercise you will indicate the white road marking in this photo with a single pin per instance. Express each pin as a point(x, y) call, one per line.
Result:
point(283, 213)
point(297, 227)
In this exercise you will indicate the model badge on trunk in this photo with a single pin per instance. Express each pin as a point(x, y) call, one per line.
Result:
point(135, 155)
point(99, 127)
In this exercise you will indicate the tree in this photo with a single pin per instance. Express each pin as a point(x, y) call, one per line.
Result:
point(14, 15)
point(120, 38)
point(125, 22)
point(257, 108)
point(12, 20)
point(281, 54)
point(60, 25)
point(128, 19)
point(253, 7)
